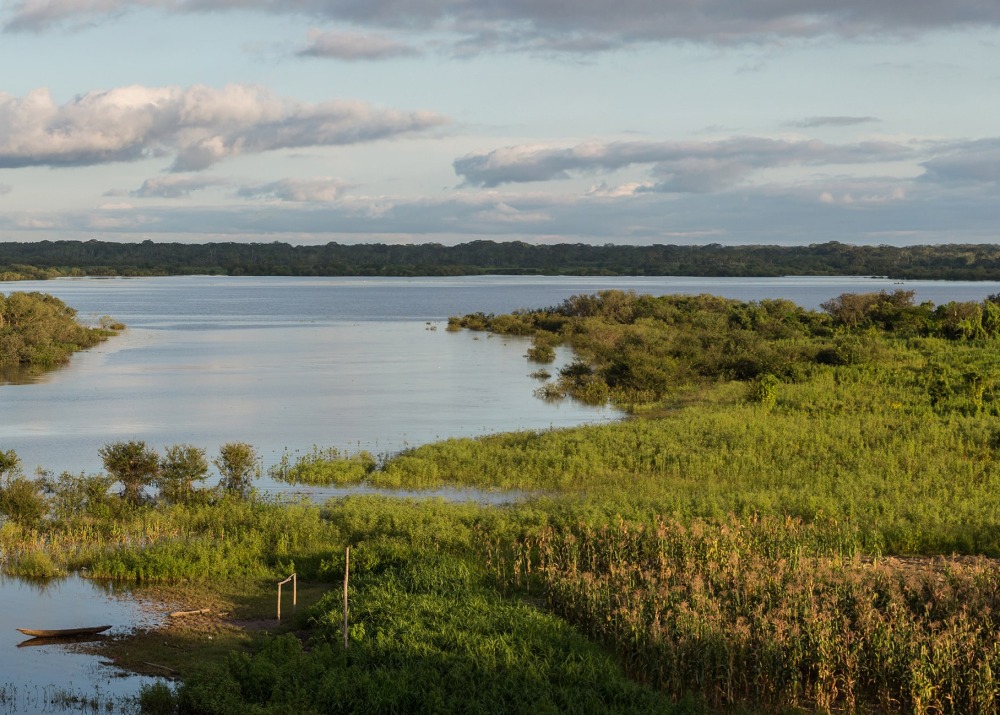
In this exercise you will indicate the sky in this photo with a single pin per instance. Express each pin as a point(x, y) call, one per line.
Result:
point(546, 121)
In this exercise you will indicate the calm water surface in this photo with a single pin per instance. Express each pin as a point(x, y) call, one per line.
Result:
point(353, 363)
point(33, 672)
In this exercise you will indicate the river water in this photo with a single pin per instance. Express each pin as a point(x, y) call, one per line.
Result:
point(352, 363)
point(38, 675)
point(288, 363)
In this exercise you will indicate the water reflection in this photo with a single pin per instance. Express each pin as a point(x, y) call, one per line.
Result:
point(18, 375)
point(51, 676)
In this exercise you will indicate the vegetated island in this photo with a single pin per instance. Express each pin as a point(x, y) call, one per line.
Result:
point(802, 515)
point(51, 259)
point(39, 331)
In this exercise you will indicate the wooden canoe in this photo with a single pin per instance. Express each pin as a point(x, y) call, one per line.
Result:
point(62, 632)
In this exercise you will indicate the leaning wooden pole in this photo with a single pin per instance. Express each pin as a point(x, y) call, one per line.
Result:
point(295, 597)
point(347, 572)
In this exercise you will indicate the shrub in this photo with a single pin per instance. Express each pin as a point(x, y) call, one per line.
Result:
point(239, 465)
point(182, 465)
point(764, 391)
point(133, 464)
point(22, 501)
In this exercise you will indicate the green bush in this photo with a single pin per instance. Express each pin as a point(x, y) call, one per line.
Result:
point(22, 501)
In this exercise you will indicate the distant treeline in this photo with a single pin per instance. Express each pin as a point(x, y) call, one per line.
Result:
point(49, 259)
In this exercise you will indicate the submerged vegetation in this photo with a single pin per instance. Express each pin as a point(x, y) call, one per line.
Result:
point(802, 513)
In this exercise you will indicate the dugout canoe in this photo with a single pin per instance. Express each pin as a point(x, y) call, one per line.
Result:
point(62, 632)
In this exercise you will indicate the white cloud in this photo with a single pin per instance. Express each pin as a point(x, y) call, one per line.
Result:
point(321, 190)
point(175, 186)
point(503, 213)
point(5, 189)
point(682, 167)
point(351, 46)
point(199, 126)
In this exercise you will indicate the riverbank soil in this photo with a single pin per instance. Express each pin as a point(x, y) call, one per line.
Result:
point(215, 623)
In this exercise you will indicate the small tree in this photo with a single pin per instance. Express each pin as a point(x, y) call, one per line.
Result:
point(133, 464)
point(21, 499)
point(181, 466)
point(239, 465)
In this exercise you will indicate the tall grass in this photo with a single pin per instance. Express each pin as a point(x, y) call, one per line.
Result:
point(773, 614)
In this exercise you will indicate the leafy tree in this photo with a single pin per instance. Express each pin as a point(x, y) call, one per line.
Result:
point(21, 499)
point(181, 466)
point(132, 463)
point(239, 465)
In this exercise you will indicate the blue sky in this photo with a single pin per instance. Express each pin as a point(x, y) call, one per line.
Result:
point(640, 121)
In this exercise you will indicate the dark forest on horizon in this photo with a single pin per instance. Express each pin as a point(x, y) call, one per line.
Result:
point(51, 259)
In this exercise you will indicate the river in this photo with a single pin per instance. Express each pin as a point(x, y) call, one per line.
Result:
point(352, 363)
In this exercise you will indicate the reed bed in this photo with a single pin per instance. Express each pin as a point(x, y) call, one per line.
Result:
point(772, 614)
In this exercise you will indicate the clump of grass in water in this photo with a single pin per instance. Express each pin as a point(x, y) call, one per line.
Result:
point(324, 467)
point(157, 699)
point(34, 564)
point(14, 699)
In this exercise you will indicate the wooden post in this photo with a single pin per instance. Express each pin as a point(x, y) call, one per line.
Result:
point(347, 571)
point(295, 597)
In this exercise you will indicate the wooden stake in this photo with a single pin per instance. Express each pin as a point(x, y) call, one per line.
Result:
point(294, 579)
point(347, 571)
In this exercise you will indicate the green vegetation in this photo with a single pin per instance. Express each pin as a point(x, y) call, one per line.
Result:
point(181, 468)
point(802, 513)
point(39, 330)
point(133, 464)
point(50, 259)
point(239, 465)
point(429, 633)
point(324, 467)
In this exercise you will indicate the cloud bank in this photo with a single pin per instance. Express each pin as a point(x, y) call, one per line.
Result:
point(874, 211)
point(683, 167)
point(974, 162)
point(582, 25)
point(199, 126)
